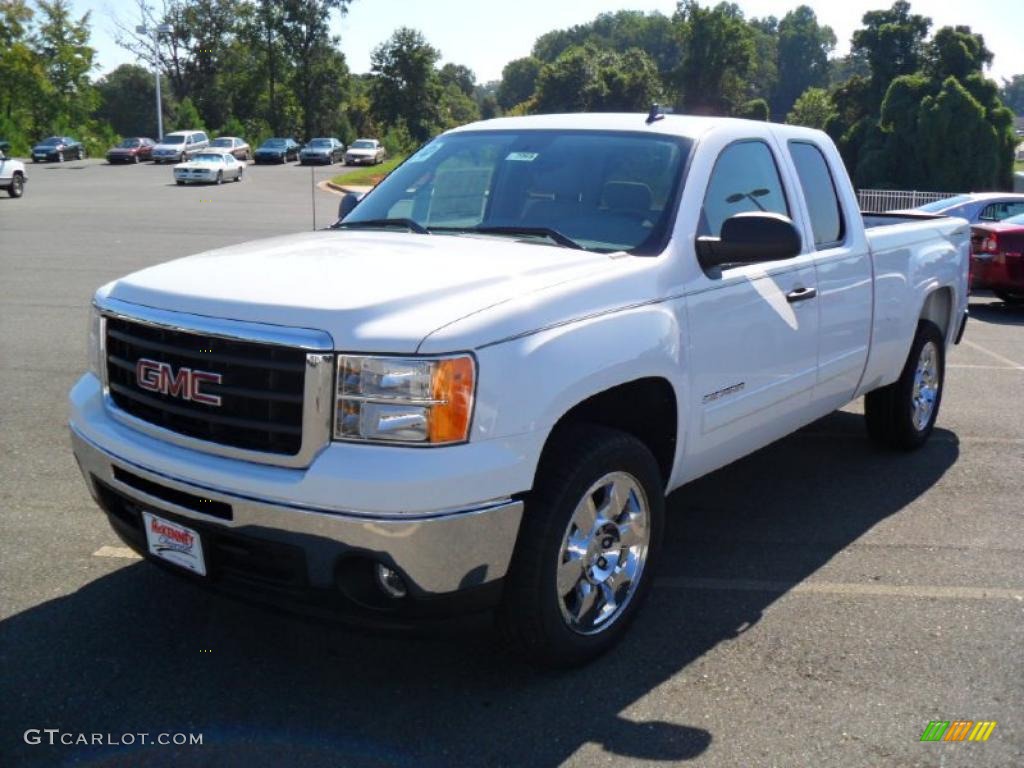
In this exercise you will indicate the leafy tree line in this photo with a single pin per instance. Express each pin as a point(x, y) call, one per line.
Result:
point(906, 109)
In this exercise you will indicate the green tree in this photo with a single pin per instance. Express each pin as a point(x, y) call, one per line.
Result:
point(587, 79)
point(892, 43)
point(62, 44)
point(955, 119)
point(127, 98)
point(755, 109)
point(718, 54)
point(24, 86)
point(460, 76)
point(804, 48)
point(186, 116)
point(957, 52)
point(405, 83)
point(518, 81)
point(813, 109)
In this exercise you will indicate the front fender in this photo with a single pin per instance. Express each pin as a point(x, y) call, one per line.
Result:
point(527, 384)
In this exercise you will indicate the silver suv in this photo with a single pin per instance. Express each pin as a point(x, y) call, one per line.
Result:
point(179, 146)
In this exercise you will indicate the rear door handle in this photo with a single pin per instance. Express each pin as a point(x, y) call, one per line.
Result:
point(801, 294)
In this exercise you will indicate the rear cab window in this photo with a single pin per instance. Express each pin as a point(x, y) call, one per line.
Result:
point(819, 188)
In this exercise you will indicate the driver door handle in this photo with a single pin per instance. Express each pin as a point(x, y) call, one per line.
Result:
point(801, 294)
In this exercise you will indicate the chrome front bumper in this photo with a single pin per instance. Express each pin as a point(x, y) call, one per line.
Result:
point(437, 554)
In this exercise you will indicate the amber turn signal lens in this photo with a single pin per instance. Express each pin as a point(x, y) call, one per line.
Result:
point(454, 380)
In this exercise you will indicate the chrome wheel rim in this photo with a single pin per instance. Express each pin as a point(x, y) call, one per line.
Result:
point(926, 386)
point(603, 553)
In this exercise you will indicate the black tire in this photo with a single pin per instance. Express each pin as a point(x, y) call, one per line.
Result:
point(220, 177)
point(135, 159)
point(239, 176)
point(180, 183)
point(530, 615)
point(889, 411)
point(1010, 298)
point(81, 154)
point(17, 188)
point(60, 157)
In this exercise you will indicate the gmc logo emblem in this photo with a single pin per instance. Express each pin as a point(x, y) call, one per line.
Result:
point(154, 376)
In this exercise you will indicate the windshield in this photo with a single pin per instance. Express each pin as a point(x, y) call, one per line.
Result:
point(211, 157)
point(361, 144)
point(606, 191)
point(274, 143)
point(222, 142)
point(50, 142)
point(173, 139)
point(947, 202)
point(320, 143)
point(129, 143)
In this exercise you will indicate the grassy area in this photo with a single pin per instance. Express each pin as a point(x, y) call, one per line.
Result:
point(370, 175)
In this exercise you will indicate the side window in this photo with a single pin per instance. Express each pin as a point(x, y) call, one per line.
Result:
point(1001, 210)
point(745, 178)
point(820, 193)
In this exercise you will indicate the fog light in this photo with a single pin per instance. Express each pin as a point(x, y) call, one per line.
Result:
point(390, 581)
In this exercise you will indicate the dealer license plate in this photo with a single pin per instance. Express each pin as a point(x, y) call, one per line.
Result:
point(174, 543)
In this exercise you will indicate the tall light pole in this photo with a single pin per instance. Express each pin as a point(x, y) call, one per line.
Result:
point(160, 29)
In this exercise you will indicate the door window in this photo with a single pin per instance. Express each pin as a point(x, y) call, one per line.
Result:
point(745, 178)
point(820, 193)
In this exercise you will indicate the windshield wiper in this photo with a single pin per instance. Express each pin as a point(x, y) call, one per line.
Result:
point(551, 234)
point(409, 224)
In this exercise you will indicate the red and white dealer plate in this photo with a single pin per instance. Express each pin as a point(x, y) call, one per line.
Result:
point(174, 543)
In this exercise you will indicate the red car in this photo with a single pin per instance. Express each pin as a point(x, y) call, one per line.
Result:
point(997, 258)
point(131, 150)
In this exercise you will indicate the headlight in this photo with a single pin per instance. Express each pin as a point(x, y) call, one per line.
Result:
point(404, 399)
point(93, 348)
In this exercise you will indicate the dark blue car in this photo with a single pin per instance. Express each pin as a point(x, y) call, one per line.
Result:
point(59, 148)
point(277, 150)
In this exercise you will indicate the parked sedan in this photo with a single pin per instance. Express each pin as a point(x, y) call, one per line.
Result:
point(209, 168)
point(325, 151)
point(365, 152)
point(238, 147)
point(277, 150)
point(59, 148)
point(977, 207)
point(997, 258)
point(133, 150)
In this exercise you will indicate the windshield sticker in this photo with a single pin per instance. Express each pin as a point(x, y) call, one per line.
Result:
point(426, 152)
point(522, 157)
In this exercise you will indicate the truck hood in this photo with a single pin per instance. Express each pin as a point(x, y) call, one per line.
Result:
point(372, 291)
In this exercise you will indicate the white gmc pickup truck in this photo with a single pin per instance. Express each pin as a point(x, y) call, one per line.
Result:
point(475, 390)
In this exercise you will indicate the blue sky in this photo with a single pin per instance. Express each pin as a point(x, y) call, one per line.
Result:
point(486, 35)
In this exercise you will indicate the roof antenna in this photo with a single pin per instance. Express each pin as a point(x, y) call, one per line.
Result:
point(654, 114)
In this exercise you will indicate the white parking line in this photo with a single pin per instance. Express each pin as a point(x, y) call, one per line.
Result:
point(125, 552)
point(841, 588)
point(994, 355)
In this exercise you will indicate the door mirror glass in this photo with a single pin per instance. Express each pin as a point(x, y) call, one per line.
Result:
point(750, 238)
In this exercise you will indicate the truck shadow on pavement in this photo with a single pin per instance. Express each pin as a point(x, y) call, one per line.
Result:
point(139, 651)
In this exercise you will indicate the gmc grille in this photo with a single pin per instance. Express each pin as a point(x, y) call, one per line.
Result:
point(261, 388)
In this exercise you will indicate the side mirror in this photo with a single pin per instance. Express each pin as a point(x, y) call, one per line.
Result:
point(750, 238)
point(348, 202)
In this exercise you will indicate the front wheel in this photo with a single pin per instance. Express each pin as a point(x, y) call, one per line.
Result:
point(81, 154)
point(17, 188)
point(220, 177)
point(60, 157)
point(902, 414)
point(239, 176)
point(587, 547)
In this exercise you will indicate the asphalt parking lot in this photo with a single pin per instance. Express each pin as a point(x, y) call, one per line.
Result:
point(818, 602)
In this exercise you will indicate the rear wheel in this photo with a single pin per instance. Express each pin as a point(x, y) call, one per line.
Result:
point(902, 414)
point(587, 547)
